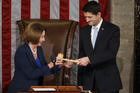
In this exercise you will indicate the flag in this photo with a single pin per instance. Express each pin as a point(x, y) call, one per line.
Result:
point(13, 10)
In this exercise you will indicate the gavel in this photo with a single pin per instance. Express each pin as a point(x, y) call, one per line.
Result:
point(65, 59)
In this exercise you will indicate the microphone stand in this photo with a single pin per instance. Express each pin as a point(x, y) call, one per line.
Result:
point(53, 59)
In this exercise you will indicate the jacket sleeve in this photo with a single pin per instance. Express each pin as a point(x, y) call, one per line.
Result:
point(81, 68)
point(23, 63)
point(52, 70)
point(81, 49)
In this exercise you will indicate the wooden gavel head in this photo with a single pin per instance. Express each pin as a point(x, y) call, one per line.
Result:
point(60, 55)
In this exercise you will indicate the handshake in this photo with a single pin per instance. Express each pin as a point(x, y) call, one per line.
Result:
point(68, 62)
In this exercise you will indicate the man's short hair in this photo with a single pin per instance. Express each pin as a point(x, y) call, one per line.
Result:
point(93, 7)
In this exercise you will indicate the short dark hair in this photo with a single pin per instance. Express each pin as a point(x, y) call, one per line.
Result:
point(93, 7)
point(33, 33)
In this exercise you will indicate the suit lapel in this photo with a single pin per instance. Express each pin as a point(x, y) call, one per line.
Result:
point(100, 33)
point(30, 55)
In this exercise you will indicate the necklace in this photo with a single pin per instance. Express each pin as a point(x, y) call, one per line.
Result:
point(34, 51)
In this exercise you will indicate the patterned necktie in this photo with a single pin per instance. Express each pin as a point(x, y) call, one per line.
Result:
point(95, 29)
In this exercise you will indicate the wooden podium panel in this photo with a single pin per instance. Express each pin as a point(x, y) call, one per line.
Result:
point(61, 89)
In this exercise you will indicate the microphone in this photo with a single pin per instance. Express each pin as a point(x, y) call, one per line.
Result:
point(53, 59)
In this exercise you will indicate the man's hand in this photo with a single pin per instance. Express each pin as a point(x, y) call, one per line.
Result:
point(84, 61)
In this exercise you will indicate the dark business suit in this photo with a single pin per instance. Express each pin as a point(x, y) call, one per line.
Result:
point(27, 73)
point(102, 73)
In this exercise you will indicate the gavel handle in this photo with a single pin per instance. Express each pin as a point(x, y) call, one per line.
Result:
point(70, 60)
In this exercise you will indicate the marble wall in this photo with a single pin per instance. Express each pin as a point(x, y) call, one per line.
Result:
point(122, 14)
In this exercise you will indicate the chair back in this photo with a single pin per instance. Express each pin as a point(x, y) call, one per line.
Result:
point(59, 38)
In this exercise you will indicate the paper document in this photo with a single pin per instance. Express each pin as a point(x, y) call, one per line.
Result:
point(44, 89)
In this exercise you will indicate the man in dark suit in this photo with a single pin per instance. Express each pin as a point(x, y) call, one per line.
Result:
point(99, 44)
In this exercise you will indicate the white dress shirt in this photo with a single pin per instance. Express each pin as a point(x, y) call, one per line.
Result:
point(92, 30)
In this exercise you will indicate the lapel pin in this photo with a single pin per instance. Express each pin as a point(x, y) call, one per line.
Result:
point(102, 28)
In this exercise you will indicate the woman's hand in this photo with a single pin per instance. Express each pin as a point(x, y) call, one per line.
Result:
point(68, 64)
point(59, 61)
point(50, 65)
